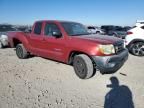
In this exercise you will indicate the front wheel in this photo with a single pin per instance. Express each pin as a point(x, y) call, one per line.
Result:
point(21, 51)
point(83, 66)
point(137, 49)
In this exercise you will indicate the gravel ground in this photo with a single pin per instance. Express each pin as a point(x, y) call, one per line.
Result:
point(42, 83)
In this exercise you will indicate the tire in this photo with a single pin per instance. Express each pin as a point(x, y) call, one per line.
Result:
point(1, 45)
point(83, 66)
point(114, 35)
point(21, 51)
point(97, 32)
point(137, 49)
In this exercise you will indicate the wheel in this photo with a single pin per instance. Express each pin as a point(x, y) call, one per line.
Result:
point(114, 35)
point(137, 49)
point(97, 32)
point(1, 45)
point(83, 66)
point(21, 51)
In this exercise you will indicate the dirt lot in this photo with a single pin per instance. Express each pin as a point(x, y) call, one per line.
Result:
point(42, 83)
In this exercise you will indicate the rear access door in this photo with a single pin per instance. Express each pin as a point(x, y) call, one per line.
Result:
point(36, 39)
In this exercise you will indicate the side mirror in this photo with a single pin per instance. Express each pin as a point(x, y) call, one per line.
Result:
point(57, 34)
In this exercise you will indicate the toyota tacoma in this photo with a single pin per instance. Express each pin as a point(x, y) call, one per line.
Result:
point(70, 43)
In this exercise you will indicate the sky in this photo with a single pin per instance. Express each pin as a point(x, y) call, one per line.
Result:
point(96, 12)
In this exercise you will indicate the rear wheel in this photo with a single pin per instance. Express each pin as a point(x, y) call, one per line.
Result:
point(21, 51)
point(83, 66)
point(137, 49)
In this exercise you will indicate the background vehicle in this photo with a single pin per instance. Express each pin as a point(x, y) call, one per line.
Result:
point(5, 28)
point(135, 40)
point(3, 34)
point(94, 30)
point(126, 28)
point(24, 28)
point(70, 43)
point(115, 31)
point(139, 22)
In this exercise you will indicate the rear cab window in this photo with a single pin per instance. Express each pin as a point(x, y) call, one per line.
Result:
point(38, 28)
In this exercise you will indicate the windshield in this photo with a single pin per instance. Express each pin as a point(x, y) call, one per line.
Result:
point(74, 29)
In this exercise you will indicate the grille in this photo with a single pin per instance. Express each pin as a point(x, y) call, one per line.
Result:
point(119, 46)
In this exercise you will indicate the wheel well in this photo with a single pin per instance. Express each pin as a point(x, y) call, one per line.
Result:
point(73, 54)
point(135, 41)
point(97, 31)
point(132, 42)
point(16, 42)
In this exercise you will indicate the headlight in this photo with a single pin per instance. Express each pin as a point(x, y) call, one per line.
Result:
point(107, 49)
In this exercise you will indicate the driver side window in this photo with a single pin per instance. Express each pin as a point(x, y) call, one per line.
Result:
point(50, 28)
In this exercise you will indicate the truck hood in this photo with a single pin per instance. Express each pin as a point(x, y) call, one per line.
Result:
point(99, 39)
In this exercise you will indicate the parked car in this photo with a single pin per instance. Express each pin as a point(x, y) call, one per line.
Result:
point(94, 30)
point(3, 34)
point(115, 31)
point(24, 28)
point(70, 43)
point(3, 41)
point(139, 22)
point(126, 28)
point(135, 40)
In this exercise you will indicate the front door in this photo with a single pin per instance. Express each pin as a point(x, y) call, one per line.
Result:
point(54, 47)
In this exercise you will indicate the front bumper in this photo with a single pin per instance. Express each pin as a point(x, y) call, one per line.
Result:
point(110, 64)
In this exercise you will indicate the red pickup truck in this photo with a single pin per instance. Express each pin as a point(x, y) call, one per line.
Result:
point(70, 43)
